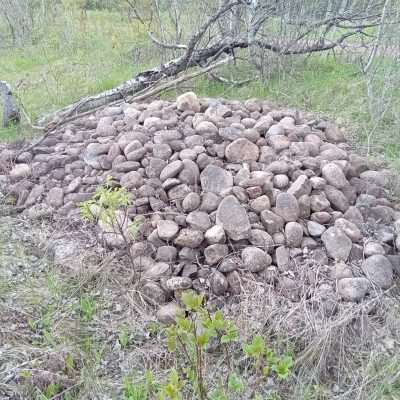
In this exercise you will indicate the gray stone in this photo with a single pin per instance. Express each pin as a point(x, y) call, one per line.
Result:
point(232, 216)
point(337, 244)
point(301, 186)
point(215, 253)
point(218, 283)
point(353, 289)
point(215, 234)
point(191, 202)
point(131, 180)
point(294, 234)
point(178, 283)
point(153, 293)
point(188, 101)
point(262, 239)
point(287, 207)
point(167, 230)
point(198, 220)
point(168, 313)
point(55, 197)
point(351, 230)
point(260, 204)
point(171, 170)
point(373, 248)
point(272, 222)
point(157, 271)
point(255, 259)
point(334, 175)
point(216, 180)
point(189, 238)
point(378, 269)
point(242, 150)
point(315, 229)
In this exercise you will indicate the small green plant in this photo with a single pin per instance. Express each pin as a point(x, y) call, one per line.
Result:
point(189, 339)
point(87, 308)
point(144, 389)
point(124, 336)
point(266, 361)
point(109, 208)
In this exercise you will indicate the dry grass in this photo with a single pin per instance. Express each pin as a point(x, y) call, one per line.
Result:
point(49, 335)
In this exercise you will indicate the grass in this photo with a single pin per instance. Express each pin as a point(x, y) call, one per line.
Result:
point(83, 55)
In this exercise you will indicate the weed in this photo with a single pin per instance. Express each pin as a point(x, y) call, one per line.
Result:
point(87, 308)
point(124, 336)
point(109, 208)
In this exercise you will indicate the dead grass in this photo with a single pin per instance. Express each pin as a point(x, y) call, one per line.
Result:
point(53, 342)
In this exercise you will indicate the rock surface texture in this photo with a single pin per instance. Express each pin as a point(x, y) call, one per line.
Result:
point(226, 189)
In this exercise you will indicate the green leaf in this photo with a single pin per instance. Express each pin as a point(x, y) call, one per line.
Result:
point(256, 348)
point(231, 334)
point(192, 301)
point(203, 339)
point(283, 367)
point(235, 384)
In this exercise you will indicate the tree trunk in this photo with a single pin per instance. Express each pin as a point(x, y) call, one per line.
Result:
point(11, 113)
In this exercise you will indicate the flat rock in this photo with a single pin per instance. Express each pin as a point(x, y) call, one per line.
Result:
point(242, 150)
point(232, 216)
point(215, 179)
point(167, 230)
point(287, 207)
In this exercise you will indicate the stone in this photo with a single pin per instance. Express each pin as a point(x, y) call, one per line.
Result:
point(351, 230)
point(353, 289)
point(315, 229)
point(301, 186)
point(294, 234)
point(20, 171)
point(229, 264)
point(168, 313)
point(272, 222)
point(261, 239)
point(215, 234)
point(255, 259)
point(216, 180)
point(209, 202)
point(234, 283)
point(337, 244)
point(188, 101)
point(280, 181)
point(55, 197)
point(334, 134)
point(337, 199)
point(167, 230)
point(171, 170)
point(215, 253)
point(131, 180)
point(189, 238)
point(218, 283)
point(198, 220)
point(260, 204)
point(166, 253)
point(334, 175)
point(242, 150)
point(287, 207)
point(372, 248)
point(157, 271)
point(232, 216)
point(34, 195)
point(191, 202)
point(153, 293)
point(341, 270)
point(319, 202)
point(378, 269)
point(178, 283)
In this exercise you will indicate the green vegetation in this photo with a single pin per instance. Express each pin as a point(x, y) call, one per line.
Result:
point(85, 53)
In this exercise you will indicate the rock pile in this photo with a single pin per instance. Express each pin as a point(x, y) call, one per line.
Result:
point(227, 188)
